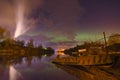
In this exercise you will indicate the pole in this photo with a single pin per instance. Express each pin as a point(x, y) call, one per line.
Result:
point(105, 46)
point(105, 39)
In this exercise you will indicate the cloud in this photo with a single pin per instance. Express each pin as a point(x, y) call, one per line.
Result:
point(8, 12)
point(58, 17)
point(50, 20)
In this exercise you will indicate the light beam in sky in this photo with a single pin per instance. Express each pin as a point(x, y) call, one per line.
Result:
point(19, 20)
point(20, 26)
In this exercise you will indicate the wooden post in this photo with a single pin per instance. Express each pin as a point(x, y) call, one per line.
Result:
point(105, 46)
point(105, 39)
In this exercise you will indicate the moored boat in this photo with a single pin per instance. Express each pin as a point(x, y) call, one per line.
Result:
point(89, 60)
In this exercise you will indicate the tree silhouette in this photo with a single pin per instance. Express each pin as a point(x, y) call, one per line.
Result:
point(30, 43)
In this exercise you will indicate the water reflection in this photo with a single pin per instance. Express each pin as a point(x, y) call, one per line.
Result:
point(79, 73)
point(31, 68)
point(90, 73)
point(41, 68)
point(14, 74)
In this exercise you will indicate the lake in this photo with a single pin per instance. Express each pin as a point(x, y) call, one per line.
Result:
point(42, 68)
point(33, 68)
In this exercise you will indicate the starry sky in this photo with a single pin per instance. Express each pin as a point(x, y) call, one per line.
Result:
point(52, 22)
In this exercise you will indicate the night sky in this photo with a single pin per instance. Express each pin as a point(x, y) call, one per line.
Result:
point(52, 22)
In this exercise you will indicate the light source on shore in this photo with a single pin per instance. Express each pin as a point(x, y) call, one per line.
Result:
point(60, 51)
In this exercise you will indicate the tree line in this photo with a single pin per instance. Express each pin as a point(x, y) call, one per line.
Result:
point(18, 47)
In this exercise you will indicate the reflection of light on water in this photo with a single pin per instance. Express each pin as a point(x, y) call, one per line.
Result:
point(44, 58)
point(60, 51)
point(14, 74)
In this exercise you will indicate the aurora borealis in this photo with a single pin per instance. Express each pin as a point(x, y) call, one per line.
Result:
point(54, 21)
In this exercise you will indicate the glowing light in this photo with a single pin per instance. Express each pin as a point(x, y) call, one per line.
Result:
point(14, 74)
point(45, 55)
point(19, 20)
point(87, 36)
point(82, 50)
point(61, 51)
point(20, 26)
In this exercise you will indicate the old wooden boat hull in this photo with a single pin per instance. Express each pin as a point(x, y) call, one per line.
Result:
point(98, 60)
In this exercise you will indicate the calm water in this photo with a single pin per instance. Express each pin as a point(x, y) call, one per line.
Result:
point(33, 68)
point(41, 68)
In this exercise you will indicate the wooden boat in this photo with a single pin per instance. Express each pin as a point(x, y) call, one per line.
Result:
point(97, 60)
